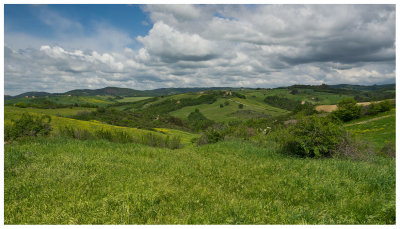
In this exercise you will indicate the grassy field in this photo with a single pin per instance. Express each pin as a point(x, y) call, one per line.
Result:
point(10, 110)
point(214, 112)
point(66, 100)
point(131, 99)
point(60, 180)
point(65, 181)
point(255, 105)
point(379, 130)
point(308, 95)
point(57, 122)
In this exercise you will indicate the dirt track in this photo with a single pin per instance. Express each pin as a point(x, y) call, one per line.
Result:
point(370, 120)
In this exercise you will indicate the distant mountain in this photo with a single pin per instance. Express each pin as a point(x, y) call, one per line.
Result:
point(345, 88)
point(30, 94)
point(171, 91)
point(116, 91)
point(365, 88)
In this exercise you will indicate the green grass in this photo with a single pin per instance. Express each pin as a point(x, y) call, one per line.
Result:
point(59, 111)
point(132, 99)
point(379, 132)
point(214, 112)
point(57, 122)
point(66, 181)
point(66, 100)
point(307, 95)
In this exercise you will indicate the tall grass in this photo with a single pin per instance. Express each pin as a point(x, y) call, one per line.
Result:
point(119, 136)
point(62, 181)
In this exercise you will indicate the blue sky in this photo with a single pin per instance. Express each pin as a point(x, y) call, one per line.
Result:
point(56, 48)
point(29, 18)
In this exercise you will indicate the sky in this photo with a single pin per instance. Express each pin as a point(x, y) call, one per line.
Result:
point(56, 48)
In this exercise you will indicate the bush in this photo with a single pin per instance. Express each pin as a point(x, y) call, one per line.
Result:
point(306, 108)
point(122, 137)
point(76, 133)
point(21, 105)
point(240, 106)
point(241, 131)
point(282, 102)
point(348, 110)
point(313, 137)
point(211, 135)
point(354, 148)
point(221, 105)
point(226, 103)
point(372, 109)
point(159, 141)
point(385, 105)
point(197, 121)
point(28, 125)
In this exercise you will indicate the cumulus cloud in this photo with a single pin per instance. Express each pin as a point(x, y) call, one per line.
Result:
point(215, 45)
point(171, 45)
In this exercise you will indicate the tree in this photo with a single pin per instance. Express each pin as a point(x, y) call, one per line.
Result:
point(348, 110)
point(314, 136)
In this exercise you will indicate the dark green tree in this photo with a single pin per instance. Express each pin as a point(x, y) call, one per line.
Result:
point(348, 110)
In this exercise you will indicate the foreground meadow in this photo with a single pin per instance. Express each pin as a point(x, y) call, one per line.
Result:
point(86, 165)
point(67, 181)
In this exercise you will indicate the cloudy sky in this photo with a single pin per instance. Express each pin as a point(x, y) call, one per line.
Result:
point(56, 48)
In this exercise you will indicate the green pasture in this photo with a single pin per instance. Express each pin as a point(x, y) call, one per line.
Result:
point(67, 181)
point(307, 95)
point(378, 130)
point(131, 99)
point(215, 112)
point(68, 100)
point(57, 122)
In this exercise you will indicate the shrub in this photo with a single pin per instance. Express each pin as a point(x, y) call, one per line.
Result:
point(385, 105)
point(354, 148)
point(241, 131)
point(21, 105)
point(28, 125)
point(240, 106)
point(348, 110)
point(211, 135)
point(372, 109)
point(226, 103)
point(197, 121)
point(160, 141)
point(150, 139)
point(306, 108)
point(282, 102)
point(76, 133)
point(221, 105)
point(313, 137)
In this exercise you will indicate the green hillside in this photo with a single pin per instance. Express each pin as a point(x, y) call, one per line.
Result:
point(200, 157)
point(230, 112)
point(12, 113)
point(379, 130)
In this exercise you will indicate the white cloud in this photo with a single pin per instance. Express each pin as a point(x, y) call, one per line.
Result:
point(171, 45)
point(213, 45)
